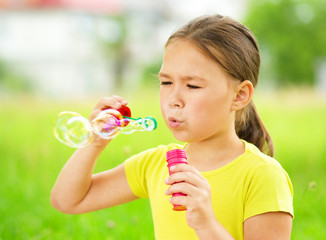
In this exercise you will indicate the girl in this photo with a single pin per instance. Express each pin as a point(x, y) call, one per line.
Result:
point(233, 190)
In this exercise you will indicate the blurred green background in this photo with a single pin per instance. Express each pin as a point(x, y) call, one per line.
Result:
point(57, 58)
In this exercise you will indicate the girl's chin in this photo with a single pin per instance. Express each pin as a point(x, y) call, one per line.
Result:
point(182, 137)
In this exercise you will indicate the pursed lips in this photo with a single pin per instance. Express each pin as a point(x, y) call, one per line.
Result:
point(174, 123)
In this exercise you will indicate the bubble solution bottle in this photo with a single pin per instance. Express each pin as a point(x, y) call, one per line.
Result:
point(174, 157)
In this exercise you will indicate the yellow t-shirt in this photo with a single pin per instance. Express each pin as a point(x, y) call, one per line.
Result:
point(252, 184)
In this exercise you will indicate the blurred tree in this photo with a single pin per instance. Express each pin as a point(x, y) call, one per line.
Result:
point(113, 43)
point(292, 37)
point(13, 82)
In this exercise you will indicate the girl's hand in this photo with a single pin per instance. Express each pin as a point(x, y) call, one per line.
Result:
point(188, 180)
point(113, 102)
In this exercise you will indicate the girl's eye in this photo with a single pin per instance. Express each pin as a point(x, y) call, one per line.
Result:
point(192, 86)
point(166, 83)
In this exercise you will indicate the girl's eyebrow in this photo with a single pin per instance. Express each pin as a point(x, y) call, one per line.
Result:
point(161, 74)
point(193, 77)
point(186, 77)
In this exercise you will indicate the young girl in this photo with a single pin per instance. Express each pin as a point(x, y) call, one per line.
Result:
point(233, 190)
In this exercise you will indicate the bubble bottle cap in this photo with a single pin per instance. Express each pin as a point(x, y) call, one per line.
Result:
point(176, 156)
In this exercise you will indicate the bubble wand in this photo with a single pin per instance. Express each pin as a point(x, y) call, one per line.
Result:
point(76, 131)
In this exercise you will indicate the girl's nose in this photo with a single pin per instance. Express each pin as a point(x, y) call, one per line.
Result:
point(176, 99)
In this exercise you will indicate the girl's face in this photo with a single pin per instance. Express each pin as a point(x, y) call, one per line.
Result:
point(196, 94)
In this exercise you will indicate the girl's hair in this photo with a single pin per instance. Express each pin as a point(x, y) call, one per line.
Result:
point(234, 47)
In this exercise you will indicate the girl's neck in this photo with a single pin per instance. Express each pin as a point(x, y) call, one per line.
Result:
point(211, 154)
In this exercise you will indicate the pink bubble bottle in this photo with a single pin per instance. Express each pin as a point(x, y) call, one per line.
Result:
point(174, 157)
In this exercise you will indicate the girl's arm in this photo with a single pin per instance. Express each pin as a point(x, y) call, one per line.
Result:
point(77, 190)
point(271, 225)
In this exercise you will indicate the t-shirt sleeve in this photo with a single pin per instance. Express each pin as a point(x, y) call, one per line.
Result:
point(135, 169)
point(270, 190)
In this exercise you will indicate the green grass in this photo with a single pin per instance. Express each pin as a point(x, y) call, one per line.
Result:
point(31, 158)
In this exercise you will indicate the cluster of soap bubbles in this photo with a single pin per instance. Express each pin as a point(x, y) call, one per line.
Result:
point(76, 131)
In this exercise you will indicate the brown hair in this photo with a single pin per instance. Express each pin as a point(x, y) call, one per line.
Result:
point(234, 47)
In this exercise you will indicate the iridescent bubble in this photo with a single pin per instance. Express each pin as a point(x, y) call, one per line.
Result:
point(73, 129)
point(108, 123)
point(146, 124)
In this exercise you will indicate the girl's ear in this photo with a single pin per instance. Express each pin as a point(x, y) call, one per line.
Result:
point(244, 91)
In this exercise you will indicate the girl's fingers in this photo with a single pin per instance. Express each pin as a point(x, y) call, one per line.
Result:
point(194, 196)
point(185, 168)
point(188, 177)
point(179, 200)
point(185, 173)
point(115, 102)
point(182, 187)
point(187, 180)
point(120, 99)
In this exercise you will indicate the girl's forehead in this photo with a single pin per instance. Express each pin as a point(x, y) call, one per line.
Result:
point(183, 59)
point(186, 55)
point(185, 51)
point(181, 43)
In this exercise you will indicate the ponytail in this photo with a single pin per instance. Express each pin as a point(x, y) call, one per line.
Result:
point(249, 126)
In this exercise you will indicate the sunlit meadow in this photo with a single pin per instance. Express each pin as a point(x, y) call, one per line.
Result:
point(31, 159)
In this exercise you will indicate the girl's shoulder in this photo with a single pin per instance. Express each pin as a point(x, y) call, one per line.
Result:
point(258, 157)
point(263, 167)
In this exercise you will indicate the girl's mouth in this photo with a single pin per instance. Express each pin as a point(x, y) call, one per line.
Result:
point(173, 123)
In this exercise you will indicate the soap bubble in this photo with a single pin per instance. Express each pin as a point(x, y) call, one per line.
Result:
point(133, 125)
point(108, 123)
point(73, 129)
point(146, 124)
